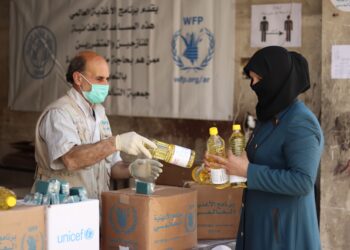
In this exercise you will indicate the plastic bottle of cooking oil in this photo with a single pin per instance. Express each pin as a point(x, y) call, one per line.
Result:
point(237, 144)
point(201, 175)
point(216, 146)
point(173, 154)
point(7, 198)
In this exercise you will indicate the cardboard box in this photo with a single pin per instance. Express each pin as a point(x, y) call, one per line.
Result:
point(164, 220)
point(218, 211)
point(73, 226)
point(219, 244)
point(22, 227)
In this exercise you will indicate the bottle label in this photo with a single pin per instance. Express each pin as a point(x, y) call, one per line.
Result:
point(237, 179)
point(218, 176)
point(181, 156)
point(217, 150)
point(237, 146)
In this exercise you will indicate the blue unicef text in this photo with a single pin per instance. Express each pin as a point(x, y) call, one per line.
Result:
point(83, 234)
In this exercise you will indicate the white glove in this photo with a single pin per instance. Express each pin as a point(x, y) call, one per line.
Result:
point(134, 144)
point(145, 169)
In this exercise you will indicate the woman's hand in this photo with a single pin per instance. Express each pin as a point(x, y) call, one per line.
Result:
point(234, 165)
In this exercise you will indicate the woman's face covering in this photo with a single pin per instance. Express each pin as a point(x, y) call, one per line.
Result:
point(255, 78)
point(277, 78)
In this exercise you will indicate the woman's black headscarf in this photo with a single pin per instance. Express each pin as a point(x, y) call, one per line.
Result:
point(284, 76)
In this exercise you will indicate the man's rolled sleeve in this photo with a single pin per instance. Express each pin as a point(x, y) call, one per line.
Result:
point(60, 134)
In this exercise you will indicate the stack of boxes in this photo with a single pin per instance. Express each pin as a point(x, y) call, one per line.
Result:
point(170, 218)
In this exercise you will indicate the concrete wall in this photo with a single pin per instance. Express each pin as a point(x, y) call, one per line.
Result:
point(327, 98)
point(245, 99)
point(335, 168)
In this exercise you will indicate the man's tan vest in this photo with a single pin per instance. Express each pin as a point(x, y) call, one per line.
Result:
point(95, 178)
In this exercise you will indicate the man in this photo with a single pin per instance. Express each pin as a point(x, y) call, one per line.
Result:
point(264, 26)
point(74, 140)
point(288, 27)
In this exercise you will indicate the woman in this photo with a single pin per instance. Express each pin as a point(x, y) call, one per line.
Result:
point(282, 157)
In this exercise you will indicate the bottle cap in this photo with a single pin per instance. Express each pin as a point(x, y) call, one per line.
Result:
point(11, 201)
point(236, 127)
point(213, 131)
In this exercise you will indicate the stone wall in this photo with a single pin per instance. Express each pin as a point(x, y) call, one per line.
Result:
point(335, 118)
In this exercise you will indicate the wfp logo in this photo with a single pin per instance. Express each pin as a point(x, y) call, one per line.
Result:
point(39, 52)
point(190, 219)
point(83, 234)
point(33, 239)
point(123, 219)
point(199, 48)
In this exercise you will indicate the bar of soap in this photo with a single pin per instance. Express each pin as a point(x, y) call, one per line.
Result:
point(144, 187)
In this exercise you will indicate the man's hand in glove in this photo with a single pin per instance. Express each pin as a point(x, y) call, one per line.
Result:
point(134, 144)
point(145, 169)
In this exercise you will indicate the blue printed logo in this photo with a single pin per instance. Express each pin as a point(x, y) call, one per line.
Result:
point(32, 241)
point(190, 219)
point(83, 234)
point(199, 49)
point(190, 223)
point(7, 242)
point(122, 219)
point(89, 234)
point(39, 52)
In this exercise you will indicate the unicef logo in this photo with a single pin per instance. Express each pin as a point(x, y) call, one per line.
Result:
point(123, 219)
point(199, 49)
point(89, 234)
point(39, 52)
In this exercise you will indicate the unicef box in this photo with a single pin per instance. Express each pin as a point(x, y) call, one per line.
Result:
point(164, 220)
point(73, 226)
point(218, 211)
point(23, 227)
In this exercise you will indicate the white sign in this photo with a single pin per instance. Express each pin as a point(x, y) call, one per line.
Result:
point(167, 58)
point(340, 62)
point(276, 24)
point(343, 5)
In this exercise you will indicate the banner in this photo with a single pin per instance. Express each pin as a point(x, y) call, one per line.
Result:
point(168, 58)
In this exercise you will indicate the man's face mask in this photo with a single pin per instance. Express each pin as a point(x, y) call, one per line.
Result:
point(98, 92)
